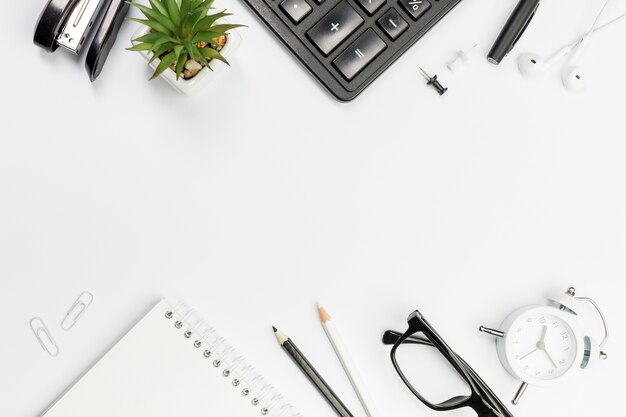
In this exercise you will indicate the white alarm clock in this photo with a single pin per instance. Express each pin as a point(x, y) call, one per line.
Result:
point(543, 344)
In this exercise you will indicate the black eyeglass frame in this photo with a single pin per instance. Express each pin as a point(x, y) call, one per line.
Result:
point(481, 399)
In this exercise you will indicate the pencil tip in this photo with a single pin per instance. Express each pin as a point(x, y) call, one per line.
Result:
point(279, 336)
point(324, 316)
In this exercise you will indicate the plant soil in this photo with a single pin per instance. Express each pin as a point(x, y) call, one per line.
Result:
point(189, 74)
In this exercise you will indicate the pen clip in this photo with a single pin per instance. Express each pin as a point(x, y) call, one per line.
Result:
point(519, 35)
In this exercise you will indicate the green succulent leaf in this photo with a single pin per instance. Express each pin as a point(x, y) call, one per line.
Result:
point(158, 5)
point(189, 23)
point(162, 50)
point(179, 49)
point(153, 25)
point(213, 54)
point(150, 37)
point(176, 29)
point(207, 22)
point(164, 40)
point(205, 7)
point(206, 37)
point(198, 3)
point(174, 12)
point(165, 63)
point(145, 46)
point(180, 64)
point(185, 8)
point(224, 28)
point(155, 15)
point(194, 52)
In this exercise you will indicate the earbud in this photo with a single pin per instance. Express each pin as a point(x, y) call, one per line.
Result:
point(531, 64)
point(574, 76)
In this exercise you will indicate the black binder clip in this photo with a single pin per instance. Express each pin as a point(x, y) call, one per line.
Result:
point(69, 23)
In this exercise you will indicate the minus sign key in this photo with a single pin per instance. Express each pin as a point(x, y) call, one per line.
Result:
point(393, 24)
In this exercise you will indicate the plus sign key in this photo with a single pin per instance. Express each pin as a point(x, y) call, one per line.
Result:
point(416, 8)
point(335, 27)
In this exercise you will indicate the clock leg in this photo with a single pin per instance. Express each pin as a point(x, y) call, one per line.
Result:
point(520, 392)
point(493, 332)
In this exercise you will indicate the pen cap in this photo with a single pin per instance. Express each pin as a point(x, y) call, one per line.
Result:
point(512, 30)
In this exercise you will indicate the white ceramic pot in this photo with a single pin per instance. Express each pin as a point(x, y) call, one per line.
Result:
point(205, 76)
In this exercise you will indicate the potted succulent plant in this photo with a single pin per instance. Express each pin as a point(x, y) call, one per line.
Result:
point(184, 41)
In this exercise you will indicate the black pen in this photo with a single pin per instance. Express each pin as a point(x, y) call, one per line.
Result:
point(310, 372)
point(513, 30)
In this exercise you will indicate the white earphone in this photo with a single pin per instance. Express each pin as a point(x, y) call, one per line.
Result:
point(573, 76)
point(532, 64)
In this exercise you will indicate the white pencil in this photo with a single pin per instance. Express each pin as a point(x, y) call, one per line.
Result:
point(348, 364)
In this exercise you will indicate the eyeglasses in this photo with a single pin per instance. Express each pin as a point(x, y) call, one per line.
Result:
point(481, 398)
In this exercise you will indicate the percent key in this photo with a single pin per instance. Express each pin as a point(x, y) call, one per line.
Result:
point(416, 8)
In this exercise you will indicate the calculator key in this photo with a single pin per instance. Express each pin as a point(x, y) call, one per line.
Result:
point(393, 24)
point(416, 8)
point(371, 6)
point(356, 57)
point(296, 9)
point(335, 27)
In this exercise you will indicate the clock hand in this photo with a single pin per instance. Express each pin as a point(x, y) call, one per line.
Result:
point(550, 357)
point(528, 354)
point(542, 339)
point(540, 344)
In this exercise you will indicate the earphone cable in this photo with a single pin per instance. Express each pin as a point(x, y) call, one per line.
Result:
point(599, 28)
point(595, 22)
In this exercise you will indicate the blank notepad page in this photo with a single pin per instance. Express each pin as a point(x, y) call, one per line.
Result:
point(169, 365)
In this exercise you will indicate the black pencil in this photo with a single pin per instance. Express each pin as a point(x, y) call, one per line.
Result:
point(311, 373)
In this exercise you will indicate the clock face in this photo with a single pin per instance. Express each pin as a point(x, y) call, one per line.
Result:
point(541, 346)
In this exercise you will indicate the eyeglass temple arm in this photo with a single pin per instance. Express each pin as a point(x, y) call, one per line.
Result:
point(390, 337)
point(486, 391)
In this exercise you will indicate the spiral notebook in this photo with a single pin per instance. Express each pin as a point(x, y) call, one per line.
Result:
point(171, 364)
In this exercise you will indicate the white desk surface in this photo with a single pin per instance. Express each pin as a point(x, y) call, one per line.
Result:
point(263, 195)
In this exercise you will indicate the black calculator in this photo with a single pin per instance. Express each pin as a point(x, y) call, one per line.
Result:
point(346, 44)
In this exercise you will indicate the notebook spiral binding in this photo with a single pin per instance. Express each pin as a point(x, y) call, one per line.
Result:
point(228, 363)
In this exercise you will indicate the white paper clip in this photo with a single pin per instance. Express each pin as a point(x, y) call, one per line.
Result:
point(81, 304)
point(44, 337)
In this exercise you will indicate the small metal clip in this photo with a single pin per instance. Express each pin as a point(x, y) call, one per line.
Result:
point(83, 301)
point(44, 337)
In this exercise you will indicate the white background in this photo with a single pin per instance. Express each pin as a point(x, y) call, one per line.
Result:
point(262, 195)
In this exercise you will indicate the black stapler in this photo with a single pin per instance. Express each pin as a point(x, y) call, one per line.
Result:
point(69, 23)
